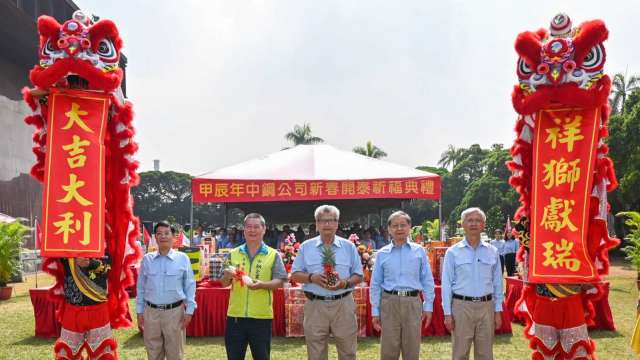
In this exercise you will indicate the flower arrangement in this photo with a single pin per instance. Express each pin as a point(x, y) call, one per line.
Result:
point(289, 250)
point(366, 256)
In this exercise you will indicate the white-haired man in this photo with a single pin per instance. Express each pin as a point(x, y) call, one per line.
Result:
point(472, 290)
point(330, 308)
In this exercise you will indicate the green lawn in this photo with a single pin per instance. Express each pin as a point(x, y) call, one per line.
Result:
point(17, 329)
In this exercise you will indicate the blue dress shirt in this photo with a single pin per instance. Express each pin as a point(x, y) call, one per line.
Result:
point(309, 260)
point(165, 280)
point(401, 268)
point(471, 272)
point(499, 245)
point(511, 246)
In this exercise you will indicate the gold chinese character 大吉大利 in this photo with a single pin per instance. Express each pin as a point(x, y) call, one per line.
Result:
point(76, 152)
point(72, 191)
point(74, 118)
point(68, 226)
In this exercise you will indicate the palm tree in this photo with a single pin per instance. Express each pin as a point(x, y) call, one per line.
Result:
point(451, 156)
point(301, 135)
point(622, 87)
point(370, 150)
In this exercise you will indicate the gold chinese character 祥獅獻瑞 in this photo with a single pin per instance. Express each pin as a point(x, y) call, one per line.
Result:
point(559, 255)
point(555, 216)
point(568, 133)
point(559, 172)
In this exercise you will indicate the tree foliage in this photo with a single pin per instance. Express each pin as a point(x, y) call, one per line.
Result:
point(11, 239)
point(632, 250)
point(622, 87)
point(301, 135)
point(370, 150)
point(478, 177)
point(167, 195)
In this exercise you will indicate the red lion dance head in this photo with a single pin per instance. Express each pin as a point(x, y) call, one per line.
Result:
point(78, 47)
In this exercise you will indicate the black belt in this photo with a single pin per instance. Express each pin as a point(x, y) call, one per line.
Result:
point(165, 306)
point(473, 298)
point(403, 292)
point(312, 296)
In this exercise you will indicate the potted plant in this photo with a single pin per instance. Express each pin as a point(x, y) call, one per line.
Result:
point(11, 236)
point(632, 249)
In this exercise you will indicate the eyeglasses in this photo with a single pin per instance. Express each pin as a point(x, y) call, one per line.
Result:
point(327, 221)
point(399, 226)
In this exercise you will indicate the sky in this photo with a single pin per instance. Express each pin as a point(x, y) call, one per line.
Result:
point(215, 83)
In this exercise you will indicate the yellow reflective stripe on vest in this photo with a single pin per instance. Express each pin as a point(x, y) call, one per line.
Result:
point(252, 303)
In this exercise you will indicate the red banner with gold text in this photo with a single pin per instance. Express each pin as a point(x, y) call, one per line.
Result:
point(564, 157)
point(73, 206)
point(209, 190)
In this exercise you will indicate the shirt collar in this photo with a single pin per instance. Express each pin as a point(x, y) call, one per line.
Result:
point(406, 243)
point(466, 243)
point(336, 241)
point(171, 254)
point(262, 250)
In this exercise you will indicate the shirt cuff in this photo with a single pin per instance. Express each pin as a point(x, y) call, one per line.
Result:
point(140, 308)
point(427, 306)
point(190, 309)
point(498, 306)
point(375, 311)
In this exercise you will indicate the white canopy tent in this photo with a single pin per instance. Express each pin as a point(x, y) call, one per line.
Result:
point(304, 165)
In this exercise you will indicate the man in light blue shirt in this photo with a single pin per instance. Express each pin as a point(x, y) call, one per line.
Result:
point(498, 242)
point(166, 297)
point(330, 308)
point(400, 273)
point(510, 249)
point(472, 290)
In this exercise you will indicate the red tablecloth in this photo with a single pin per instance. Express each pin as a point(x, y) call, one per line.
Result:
point(603, 319)
point(44, 312)
point(436, 328)
point(210, 318)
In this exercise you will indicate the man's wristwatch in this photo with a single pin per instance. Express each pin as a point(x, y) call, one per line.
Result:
point(310, 275)
point(348, 284)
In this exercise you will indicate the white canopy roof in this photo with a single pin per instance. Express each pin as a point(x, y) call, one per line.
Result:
point(315, 162)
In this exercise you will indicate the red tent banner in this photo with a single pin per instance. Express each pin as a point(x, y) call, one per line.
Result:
point(563, 162)
point(220, 190)
point(75, 175)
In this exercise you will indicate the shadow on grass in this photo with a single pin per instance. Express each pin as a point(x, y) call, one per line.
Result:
point(33, 340)
point(603, 334)
point(621, 290)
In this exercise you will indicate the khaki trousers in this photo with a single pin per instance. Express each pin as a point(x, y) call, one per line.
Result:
point(401, 320)
point(325, 317)
point(164, 335)
point(473, 323)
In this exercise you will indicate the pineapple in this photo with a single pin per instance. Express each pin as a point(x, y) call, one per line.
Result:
point(329, 263)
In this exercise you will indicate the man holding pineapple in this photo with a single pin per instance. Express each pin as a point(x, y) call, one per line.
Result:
point(329, 267)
